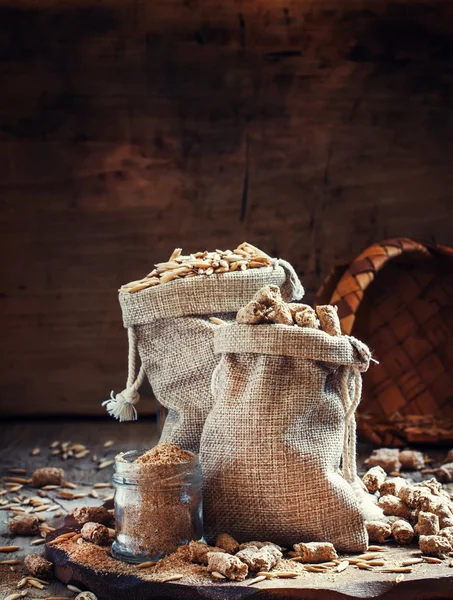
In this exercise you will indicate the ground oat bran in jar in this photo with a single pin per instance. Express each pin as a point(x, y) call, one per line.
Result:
point(157, 502)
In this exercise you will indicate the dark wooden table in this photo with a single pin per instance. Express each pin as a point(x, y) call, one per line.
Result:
point(17, 442)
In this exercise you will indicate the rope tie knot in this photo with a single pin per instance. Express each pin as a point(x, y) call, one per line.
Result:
point(121, 406)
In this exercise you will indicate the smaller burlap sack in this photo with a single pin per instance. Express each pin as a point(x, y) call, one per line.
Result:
point(282, 422)
point(169, 326)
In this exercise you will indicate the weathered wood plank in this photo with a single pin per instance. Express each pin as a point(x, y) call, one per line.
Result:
point(129, 128)
point(17, 441)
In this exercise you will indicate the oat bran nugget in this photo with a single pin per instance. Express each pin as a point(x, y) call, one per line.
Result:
point(447, 532)
point(26, 525)
point(394, 507)
point(392, 486)
point(285, 387)
point(47, 476)
point(260, 559)
point(434, 545)
point(38, 566)
point(374, 478)
point(96, 533)
point(92, 514)
point(402, 532)
point(328, 318)
point(411, 460)
point(306, 318)
point(168, 324)
point(378, 531)
point(198, 552)
point(315, 552)
point(227, 565)
point(427, 524)
point(387, 458)
point(227, 543)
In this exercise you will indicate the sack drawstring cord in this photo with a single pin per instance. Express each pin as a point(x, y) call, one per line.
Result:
point(350, 426)
point(122, 406)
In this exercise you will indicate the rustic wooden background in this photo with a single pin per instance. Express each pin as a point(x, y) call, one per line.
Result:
point(130, 127)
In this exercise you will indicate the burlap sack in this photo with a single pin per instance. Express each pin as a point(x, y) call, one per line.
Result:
point(273, 442)
point(169, 324)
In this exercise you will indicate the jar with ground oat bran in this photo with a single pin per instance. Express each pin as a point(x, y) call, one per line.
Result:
point(158, 504)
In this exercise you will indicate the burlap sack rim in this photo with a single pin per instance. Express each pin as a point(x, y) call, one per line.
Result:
point(215, 294)
point(291, 340)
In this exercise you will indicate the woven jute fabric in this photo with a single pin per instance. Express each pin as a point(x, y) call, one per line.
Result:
point(175, 338)
point(271, 446)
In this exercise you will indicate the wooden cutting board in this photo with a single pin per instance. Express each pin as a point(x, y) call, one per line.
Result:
point(426, 582)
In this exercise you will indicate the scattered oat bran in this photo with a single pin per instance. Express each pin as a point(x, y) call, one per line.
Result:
point(99, 559)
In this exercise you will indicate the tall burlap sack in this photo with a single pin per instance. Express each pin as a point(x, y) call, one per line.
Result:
point(169, 325)
point(272, 444)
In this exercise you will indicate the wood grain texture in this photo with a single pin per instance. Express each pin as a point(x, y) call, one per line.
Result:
point(129, 128)
point(17, 440)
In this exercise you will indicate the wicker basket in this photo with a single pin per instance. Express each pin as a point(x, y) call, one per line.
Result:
point(397, 296)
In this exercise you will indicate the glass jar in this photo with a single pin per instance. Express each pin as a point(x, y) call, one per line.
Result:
point(161, 416)
point(157, 507)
